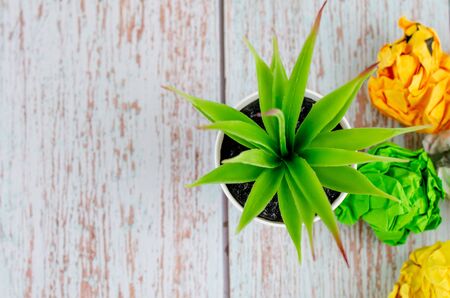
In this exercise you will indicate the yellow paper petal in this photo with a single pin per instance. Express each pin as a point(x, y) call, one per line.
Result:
point(404, 23)
point(445, 62)
point(440, 74)
point(406, 67)
point(436, 110)
point(425, 274)
point(396, 100)
point(385, 57)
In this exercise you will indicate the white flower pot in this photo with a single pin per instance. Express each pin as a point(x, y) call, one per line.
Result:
point(243, 103)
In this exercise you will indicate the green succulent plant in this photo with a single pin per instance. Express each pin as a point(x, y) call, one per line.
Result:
point(295, 163)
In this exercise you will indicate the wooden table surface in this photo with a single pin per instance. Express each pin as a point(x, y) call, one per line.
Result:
point(94, 154)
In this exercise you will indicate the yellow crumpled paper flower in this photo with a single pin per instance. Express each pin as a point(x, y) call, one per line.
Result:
point(426, 273)
point(413, 79)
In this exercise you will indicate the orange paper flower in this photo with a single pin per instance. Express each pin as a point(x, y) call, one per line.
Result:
point(426, 274)
point(412, 83)
point(437, 110)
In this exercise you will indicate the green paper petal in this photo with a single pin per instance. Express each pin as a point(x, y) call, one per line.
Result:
point(415, 183)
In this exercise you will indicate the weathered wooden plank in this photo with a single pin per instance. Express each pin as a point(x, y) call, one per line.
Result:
point(262, 259)
point(94, 154)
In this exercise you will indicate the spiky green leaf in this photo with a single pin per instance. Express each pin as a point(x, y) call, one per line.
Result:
point(328, 112)
point(254, 135)
point(365, 74)
point(213, 111)
point(256, 157)
point(265, 81)
point(297, 82)
point(330, 157)
point(305, 177)
point(359, 138)
point(303, 207)
point(347, 179)
point(291, 217)
point(265, 187)
point(229, 173)
point(281, 129)
point(280, 79)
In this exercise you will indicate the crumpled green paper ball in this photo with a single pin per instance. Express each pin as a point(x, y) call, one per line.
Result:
point(415, 183)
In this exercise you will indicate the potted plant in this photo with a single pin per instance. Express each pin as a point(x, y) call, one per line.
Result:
point(281, 149)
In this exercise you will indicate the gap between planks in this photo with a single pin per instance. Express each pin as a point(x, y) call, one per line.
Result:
point(222, 86)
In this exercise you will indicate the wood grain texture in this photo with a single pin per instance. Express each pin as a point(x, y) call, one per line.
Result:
point(94, 154)
point(262, 259)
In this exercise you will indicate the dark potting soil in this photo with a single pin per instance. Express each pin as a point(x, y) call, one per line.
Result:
point(231, 148)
